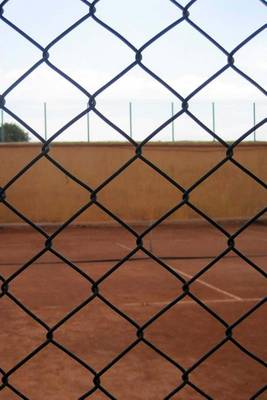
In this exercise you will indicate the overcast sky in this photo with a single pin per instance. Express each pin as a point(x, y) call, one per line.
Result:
point(92, 56)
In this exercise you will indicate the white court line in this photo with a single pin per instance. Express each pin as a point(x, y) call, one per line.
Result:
point(211, 301)
point(123, 246)
point(232, 296)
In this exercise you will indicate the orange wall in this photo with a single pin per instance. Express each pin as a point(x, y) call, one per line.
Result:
point(45, 194)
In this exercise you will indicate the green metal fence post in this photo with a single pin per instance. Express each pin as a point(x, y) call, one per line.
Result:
point(131, 119)
point(213, 118)
point(172, 112)
point(88, 126)
point(45, 121)
point(2, 133)
point(254, 120)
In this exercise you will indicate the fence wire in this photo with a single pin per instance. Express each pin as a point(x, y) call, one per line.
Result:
point(137, 62)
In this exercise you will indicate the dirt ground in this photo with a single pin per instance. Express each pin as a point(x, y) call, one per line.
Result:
point(133, 295)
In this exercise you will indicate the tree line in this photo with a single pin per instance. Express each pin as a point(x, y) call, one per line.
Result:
point(13, 133)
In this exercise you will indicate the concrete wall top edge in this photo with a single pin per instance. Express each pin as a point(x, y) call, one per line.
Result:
point(162, 145)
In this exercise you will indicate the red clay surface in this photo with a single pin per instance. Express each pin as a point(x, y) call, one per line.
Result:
point(140, 288)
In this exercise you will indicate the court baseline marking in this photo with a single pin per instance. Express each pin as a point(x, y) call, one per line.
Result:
point(215, 288)
point(204, 283)
point(208, 301)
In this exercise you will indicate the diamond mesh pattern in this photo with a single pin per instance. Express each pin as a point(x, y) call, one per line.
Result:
point(138, 147)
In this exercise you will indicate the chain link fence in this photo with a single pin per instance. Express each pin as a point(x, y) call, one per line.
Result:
point(137, 62)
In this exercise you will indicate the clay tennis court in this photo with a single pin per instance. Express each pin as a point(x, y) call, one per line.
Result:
point(140, 288)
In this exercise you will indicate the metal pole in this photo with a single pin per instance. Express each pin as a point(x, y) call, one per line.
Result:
point(172, 111)
point(131, 119)
point(88, 127)
point(45, 121)
point(2, 133)
point(213, 118)
point(254, 120)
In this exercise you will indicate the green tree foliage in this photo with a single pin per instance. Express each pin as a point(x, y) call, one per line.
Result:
point(13, 133)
